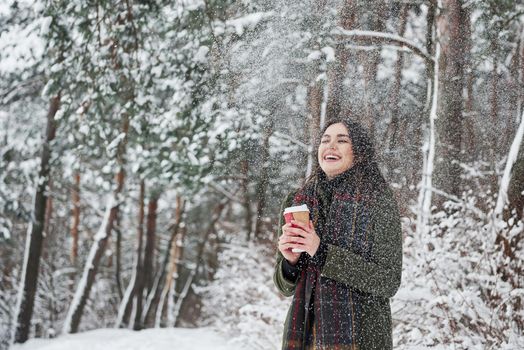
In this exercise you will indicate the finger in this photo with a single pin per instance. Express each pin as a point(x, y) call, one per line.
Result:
point(296, 239)
point(306, 238)
point(296, 231)
point(288, 247)
point(290, 239)
point(286, 226)
point(299, 224)
point(291, 246)
point(292, 231)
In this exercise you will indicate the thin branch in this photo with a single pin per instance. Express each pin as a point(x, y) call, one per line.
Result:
point(290, 139)
point(222, 190)
point(385, 38)
point(25, 88)
point(456, 199)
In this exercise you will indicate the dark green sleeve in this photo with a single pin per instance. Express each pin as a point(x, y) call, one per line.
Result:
point(381, 276)
point(286, 287)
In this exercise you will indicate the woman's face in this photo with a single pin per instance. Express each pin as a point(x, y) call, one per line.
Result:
point(335, 152)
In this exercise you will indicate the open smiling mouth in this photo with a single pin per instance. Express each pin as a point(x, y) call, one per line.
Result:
point(331, 158)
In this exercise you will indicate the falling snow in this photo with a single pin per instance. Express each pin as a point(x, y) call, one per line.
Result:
point(196, 118)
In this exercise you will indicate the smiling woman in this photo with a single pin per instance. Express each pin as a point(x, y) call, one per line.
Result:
point(335, 153)
point(352, 249)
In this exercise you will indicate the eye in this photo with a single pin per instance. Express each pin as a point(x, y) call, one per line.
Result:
point(324, 141)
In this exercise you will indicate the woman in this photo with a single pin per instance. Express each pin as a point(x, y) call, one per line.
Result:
point(352, 262)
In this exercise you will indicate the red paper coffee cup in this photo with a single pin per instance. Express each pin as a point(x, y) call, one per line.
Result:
point(288, 217)
point(297, 213)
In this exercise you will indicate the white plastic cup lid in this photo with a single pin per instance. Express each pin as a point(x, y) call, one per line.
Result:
point(296, 208)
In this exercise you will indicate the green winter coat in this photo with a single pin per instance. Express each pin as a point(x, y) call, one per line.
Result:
point(380, 278)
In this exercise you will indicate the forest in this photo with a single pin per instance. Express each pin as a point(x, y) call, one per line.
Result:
point(146, 147)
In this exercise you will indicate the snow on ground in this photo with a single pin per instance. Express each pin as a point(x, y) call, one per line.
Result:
point(124, 339)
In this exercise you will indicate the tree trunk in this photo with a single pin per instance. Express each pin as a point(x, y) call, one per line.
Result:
point(149, 255)
point(337, 74)
point(118, 256)
point(172, 275)
point(135, 288)
point(35, 237)
point(314, 102)
point(512, 183)
point(511, 191)
point(244, 169)
point(516, 188)
point(154, 295)
point(516, 183)
point(469, 115)
point(139, 271)
point(263, 182)
point(451, 31)
point(494, 140)
point(397, 84)
point(48, 211)
point(199, 259)
point(318, 94)
point(430, 80)
point(75, 196)
point(428, 149)
point(370, 63)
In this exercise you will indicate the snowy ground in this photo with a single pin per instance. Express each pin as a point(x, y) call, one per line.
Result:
point(123, 339)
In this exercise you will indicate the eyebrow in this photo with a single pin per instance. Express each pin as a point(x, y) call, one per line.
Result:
point(339, 135)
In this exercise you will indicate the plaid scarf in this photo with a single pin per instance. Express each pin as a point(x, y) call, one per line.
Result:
point(324, 312)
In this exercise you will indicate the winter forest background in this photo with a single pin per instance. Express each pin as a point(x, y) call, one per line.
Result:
point(145, 148)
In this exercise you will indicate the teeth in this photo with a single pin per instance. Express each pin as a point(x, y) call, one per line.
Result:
point(332, 157)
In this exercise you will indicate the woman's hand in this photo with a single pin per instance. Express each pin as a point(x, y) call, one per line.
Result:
point(300, 236)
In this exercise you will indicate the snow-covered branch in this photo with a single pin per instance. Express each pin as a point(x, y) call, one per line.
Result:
point(249, 21)
point(385, 38)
